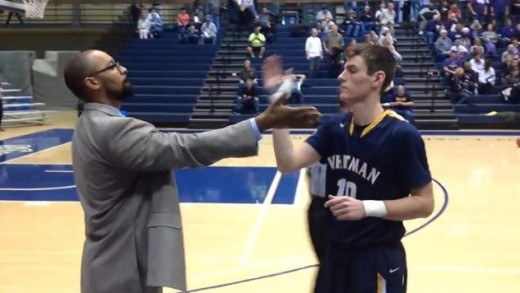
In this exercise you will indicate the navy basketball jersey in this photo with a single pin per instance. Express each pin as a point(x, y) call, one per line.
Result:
point(384, 160)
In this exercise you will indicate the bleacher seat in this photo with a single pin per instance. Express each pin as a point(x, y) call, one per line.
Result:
point(167, 77)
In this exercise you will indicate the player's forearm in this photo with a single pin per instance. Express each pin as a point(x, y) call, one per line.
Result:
point(283, 149)
point(408, 208)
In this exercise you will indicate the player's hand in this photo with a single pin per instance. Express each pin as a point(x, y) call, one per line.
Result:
point(280, 115)
point(272, 71)
point(345, 208)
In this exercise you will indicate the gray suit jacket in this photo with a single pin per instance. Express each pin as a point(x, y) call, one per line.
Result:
point(123, 173)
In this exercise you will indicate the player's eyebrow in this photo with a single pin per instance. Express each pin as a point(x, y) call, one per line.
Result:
point(350, 67)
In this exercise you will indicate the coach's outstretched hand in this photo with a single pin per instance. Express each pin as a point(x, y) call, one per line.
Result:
point(280, 115)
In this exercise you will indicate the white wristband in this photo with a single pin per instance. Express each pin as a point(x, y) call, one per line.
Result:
point(375, 208)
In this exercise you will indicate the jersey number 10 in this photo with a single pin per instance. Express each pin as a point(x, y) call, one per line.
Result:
point(347, 188)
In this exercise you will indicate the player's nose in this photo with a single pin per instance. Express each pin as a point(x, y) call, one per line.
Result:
point(342, 77)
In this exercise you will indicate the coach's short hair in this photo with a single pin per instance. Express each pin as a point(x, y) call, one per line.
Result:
point(75, 72)
point(377, 58)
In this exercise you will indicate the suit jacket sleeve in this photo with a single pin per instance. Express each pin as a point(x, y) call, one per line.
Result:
point(138, 145)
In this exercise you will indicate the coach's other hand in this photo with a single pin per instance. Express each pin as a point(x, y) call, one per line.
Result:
point(345, 208)
point(280, 115)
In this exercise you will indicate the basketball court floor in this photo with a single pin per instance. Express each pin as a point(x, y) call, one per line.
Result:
point(245, 223)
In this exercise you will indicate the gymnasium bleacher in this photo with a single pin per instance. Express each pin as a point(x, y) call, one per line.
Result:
point(167, 77)
point(192, 85)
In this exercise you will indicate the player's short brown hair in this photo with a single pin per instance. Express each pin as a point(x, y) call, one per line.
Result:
point(377, 58)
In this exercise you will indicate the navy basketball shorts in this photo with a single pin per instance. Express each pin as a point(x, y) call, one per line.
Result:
point(379, 269)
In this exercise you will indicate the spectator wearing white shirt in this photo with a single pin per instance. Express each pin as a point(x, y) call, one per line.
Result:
point(322, 14)
point(208, 31)
point(388, 18)
point(426, 14)
point(314, 52)
point(143, 26)
point(477, 64)
point(486, 79)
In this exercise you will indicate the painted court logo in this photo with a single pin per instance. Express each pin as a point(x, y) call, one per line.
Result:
point(14, 148)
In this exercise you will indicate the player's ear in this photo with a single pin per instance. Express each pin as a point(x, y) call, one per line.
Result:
point(379, 78)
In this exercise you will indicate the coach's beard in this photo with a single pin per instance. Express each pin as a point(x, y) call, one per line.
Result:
point(126, 91)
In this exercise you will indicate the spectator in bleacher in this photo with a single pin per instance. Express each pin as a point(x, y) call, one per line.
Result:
point(402, 103)
point(477, 62)
point(479, 9)
point(296, 92)
point(455, 10)
point(414, 10)
point(313, 53)
point(508, 56)
point(247, 7)
point(458, 87)
point(379, 13)
point(208, 31)
point(451, 64)
point(323, 14)
point(476, 29)
point(264, 17)
point(191, 35)
point(256, 43)
point(507, 33)
point(156, 24)
point(247, 73)
point(456, 33)
point(333, 46)
point(196, 18)
point(426, 14)
point(511, 86)
point(477, 47)
point(462, 52)
point(443, 44)
point(490, 37)
point(385, 36)
point(247, 99)
point(372, 38)
point(432, 28)
point(387, 18)
point(451, 22)
point(470, 77)
point(351, 25)
point(269, 31)
point(326, 26)
point(465, 39)
point(212, 7)
point(499, 8)
point(486, 79)
point(143, 27)
point(366, 19)
point(183, 20)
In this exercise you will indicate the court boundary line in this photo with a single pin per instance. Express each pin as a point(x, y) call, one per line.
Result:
point(433, 219)
point(251, 240)
point(30, 154)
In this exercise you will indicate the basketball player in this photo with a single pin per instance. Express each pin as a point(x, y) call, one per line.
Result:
point(317, 213)
point(377, 176)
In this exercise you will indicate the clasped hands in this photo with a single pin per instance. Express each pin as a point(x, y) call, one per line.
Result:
point(279, 114)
